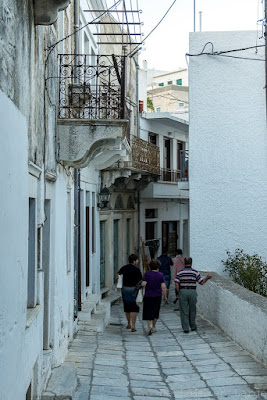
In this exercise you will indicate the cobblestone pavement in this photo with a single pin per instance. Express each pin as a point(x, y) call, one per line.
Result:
point(169, 364)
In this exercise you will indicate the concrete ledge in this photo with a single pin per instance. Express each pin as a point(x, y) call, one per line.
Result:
point(240, 313)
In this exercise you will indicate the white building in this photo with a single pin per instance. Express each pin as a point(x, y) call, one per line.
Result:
point(228, 191)
point(165, 203)
point(36, 202)
point(54, 148)
point(168, 92)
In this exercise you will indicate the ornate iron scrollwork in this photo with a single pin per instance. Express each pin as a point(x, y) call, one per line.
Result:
point(90, 86)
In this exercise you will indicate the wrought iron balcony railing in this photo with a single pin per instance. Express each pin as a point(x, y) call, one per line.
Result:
point(91, 86)
point(145, 156)
point(169, 175)
point(173, 175)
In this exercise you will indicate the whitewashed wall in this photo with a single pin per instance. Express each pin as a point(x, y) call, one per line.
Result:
point(250, 328)
point(14, 249)
point(228, 149)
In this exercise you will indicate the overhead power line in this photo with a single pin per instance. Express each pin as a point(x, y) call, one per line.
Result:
point(224, 53)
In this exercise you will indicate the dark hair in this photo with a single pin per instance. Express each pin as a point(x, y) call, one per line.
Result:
point(179, 251)
point(132, 258)
point(188, 261)
point(154, 264)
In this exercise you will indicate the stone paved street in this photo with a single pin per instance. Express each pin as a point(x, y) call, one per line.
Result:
point(118, 364)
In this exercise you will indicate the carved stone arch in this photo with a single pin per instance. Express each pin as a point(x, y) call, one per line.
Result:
point(130, 203)
point(119, 203)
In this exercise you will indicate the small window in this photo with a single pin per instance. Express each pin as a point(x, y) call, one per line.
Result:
point(161, 84)
point(151, 213)
point(152, 138)
point(158, 109)
point(179, 82)
point(181, 104)
point(169, 82)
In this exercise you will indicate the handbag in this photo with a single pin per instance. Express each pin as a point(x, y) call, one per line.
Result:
point(137, 287)
point(119, 283)
point(139, 298)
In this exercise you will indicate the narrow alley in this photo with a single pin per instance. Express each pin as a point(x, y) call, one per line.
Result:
point(167, 365)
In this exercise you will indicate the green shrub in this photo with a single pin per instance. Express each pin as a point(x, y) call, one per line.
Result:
point(150, 105)
point(248, 271)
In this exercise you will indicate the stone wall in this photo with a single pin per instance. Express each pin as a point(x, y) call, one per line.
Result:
point(240, 313)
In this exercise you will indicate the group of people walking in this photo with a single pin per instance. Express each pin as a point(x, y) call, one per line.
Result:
point(156, 282)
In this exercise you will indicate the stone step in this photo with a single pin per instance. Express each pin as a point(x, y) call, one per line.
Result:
point(62, 384)
point(99, 319)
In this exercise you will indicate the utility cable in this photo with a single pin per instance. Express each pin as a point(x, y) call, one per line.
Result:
point(218, 53)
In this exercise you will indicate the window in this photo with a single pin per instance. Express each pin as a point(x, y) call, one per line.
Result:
point(151, 213)
point(169, 82)
point(68, 231)
point(87, 239)
point(150, 230)
point(179, 154)
point(180, 104)
point(47, 278)
point(128, 238)
point(167, 153)
point(161, 84)
point(93, 222)
point(152, 138)
point(158, 109)
point(116, 245)
point(179, 82)
point(32, 255)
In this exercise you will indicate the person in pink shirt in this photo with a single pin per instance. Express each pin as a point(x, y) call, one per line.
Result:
point(178, 264)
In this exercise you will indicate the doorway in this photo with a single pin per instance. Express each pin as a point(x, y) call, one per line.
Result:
point(102, 253)
point(116, 246)
point(169, 237)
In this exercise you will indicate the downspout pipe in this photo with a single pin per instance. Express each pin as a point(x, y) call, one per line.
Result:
point(76, 184)
point(138, 135)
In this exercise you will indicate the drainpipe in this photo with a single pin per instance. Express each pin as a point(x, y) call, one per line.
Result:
point(77, 296)
point(138, 135)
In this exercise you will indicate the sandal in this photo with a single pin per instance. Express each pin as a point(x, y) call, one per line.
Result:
point(133, 329)
point(128, 326)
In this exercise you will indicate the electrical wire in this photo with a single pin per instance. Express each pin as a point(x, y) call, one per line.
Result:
point(166, 97)
point(225, 52)
point(137, 47)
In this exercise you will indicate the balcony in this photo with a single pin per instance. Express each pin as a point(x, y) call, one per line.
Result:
point(177, 181)
point(170, 175)
point(138, 169)
point(174, 175)
point(145, 156)
point(92, 117)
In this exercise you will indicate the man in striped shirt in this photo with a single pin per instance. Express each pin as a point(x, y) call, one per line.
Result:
point(186, 284)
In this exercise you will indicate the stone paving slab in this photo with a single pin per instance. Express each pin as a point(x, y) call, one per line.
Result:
point(168, 365)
